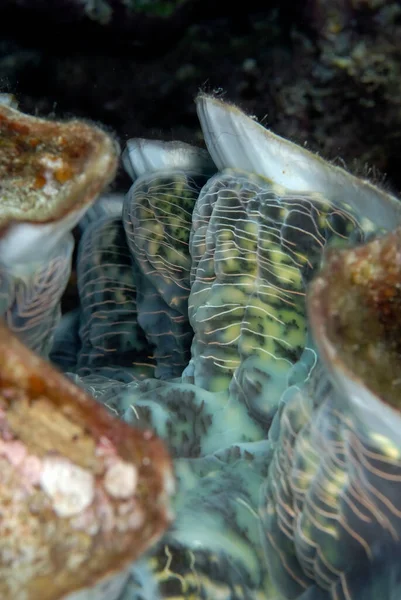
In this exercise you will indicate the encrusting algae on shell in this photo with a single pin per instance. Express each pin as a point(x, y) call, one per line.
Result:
point(49, 168)
point(82, 494)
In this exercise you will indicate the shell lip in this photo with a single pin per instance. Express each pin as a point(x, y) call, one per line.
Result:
point(95, 454)
point(354, 309)
point(236, 140)
point(143, 156)
point(75, 159)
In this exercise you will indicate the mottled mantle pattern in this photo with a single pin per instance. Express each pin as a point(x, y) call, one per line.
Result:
point(250, 317)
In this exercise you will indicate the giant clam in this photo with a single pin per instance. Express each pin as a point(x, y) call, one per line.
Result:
point(250, 318)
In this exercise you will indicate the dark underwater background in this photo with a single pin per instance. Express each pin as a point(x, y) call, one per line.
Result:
point(322, 73)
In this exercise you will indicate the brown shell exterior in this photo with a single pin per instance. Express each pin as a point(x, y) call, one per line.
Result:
point(354, 307)
point(50, 168)
point(48, 547)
